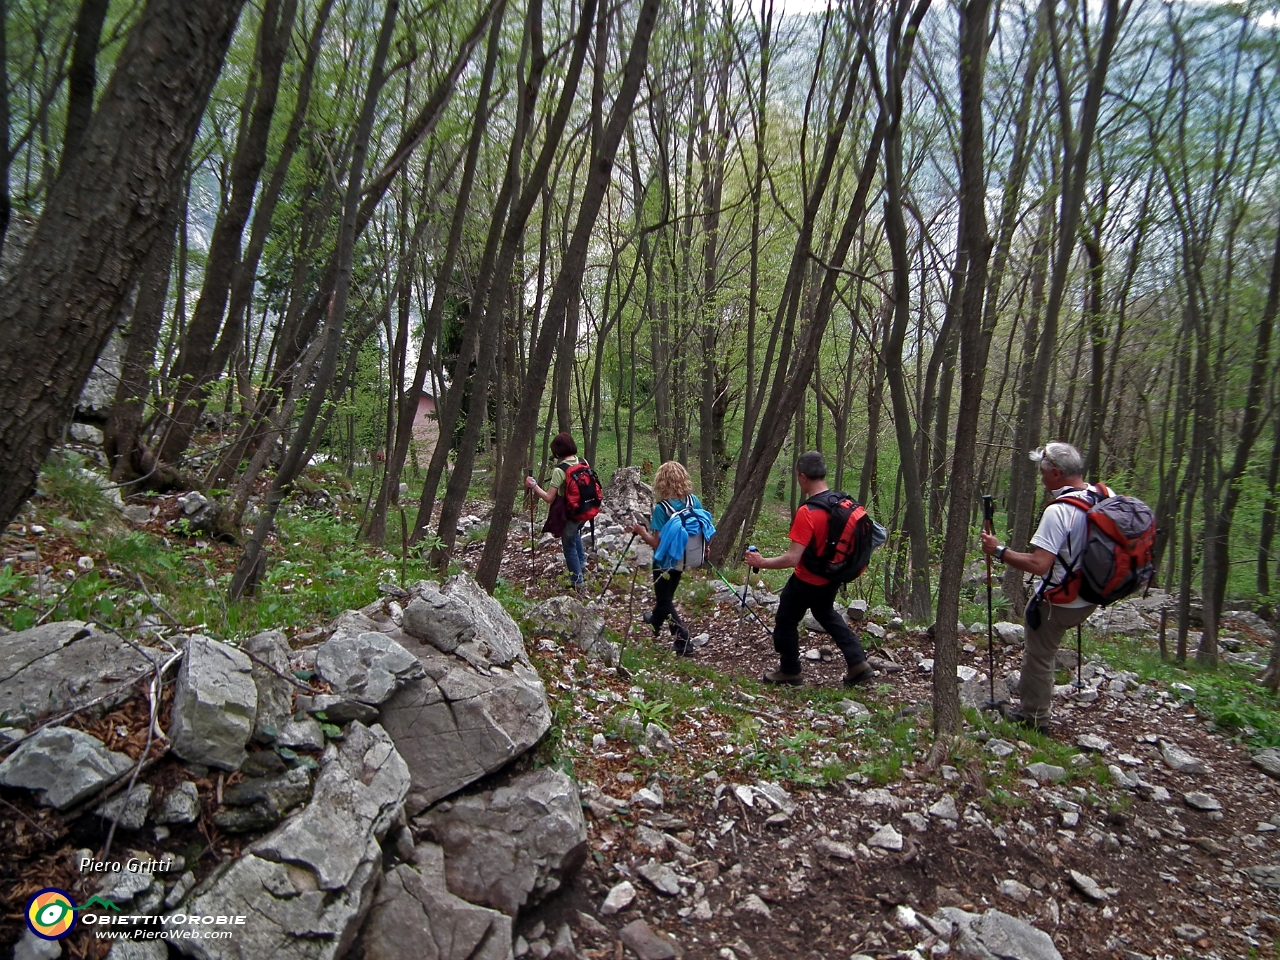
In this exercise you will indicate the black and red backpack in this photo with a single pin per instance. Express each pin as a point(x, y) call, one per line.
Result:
point(845, 553)
point(1116, 560)
point(582, 491)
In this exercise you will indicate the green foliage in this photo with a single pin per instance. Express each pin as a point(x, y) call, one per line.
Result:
point(73, 491)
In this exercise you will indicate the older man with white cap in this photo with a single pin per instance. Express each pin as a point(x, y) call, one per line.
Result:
point(1054, 557)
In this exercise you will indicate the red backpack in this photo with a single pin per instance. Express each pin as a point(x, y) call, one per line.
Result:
point(1116, 560)
point(847, 549)
point(582, 491)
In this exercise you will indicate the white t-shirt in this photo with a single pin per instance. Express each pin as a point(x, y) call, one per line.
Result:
point(1063, 531)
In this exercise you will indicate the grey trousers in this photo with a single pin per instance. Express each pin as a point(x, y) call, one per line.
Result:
point(1036, 686)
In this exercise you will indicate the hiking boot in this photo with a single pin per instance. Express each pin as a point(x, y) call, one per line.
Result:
point(1025, 720)
point(683, 644)
point(647, 617)
point(580, 587)
point(787, 679)
point(859, 676)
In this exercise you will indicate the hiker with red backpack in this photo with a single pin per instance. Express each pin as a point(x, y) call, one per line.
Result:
point(1091, 548)
point(575, 495)
point(831, 541)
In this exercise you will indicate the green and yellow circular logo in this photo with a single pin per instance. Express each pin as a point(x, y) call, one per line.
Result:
point(51, 913)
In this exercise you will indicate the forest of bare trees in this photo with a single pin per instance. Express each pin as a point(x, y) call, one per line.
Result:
point(921, 237)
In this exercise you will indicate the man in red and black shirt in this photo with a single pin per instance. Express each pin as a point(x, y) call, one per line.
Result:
point(808, 591)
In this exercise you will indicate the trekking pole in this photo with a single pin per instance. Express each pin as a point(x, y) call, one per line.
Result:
point(746, 583)
point(988, 521)
point(528, 492)
point(1079, 659)
point(616, 567)
point(724, 580)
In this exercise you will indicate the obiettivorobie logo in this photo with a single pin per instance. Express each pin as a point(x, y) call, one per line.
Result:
point(51, 913)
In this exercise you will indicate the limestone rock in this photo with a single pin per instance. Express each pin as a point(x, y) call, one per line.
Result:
point(180, 805)
point(367, 666)
point(1093, 743)
point(626, 496)
point(275, 696)
point(1268, 761)
point(61, 666)
point(1202, 801)
point(309, 883)
point(264, 800)
point(618, 898)
point(63, 766)
point(415, 917)
point(214, 705)
point(996, 935)
point(513, 845)
point(31, 947)
point(304, 734)
point(338, 710)
point(1179, 760)
point(128, 809)
point(1007, 632)
point(458, 724)
point(661, 877)
point(945, 809)
point(645, 943)
point(977, 693)
point(1088, 886)
point(461, 617)
point(357, 796)
point(138, 950)
point(886, 838)
point(1266, 875)
point(1046, 772)
point(568, 621)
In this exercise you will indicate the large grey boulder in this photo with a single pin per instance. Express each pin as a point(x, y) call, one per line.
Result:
point(461, 618)
point(996, 935)
point(275, 695)
point(626, 497)
point(568, 621)
point(514, 845)
point(309, 883)
point(461, 722)
point(63, 766)
point(366, 666)
point(1124, 618)
point(214, 705)
point(62, 666)
point(414, 900)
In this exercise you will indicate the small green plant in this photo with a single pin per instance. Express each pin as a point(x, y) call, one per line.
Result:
point(657, 712)
point(73, 490)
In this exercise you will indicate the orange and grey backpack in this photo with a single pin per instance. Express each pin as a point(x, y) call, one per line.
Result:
point(1116, 560)
point(845, 553)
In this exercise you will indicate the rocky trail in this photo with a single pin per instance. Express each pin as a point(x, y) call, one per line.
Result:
point(380, 786)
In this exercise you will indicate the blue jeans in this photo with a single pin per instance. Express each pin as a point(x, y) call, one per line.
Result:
point(575, 557)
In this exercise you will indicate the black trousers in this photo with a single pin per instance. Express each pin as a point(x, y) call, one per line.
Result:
point(797, 597)
point(664, 607)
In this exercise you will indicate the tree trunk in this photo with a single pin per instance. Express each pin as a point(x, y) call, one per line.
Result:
point(99, 226)
point(250, 567)
point(568, 285)
point(974, 339)
point(121, 436)
point(82, 76)
point(193, 370)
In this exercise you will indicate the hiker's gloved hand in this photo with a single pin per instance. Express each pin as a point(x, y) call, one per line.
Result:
point(530, 482)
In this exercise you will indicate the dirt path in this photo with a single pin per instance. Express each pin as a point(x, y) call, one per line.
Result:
point(1171, 880)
